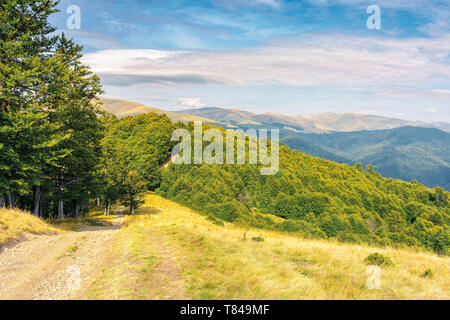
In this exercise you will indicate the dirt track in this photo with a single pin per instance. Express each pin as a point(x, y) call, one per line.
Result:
point(46, 267)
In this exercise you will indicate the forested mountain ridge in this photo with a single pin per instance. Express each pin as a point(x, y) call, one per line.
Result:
point(310, 196)
point(418, 152)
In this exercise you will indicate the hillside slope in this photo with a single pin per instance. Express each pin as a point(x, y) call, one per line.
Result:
point(312, 148)
point(168, 251)
point(122, 108)
point(313, 197)
point(316, 198)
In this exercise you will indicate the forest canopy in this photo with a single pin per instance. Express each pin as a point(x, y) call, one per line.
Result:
point(316, 198)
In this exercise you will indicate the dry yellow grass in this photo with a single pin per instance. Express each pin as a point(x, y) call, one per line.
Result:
point(216, 263)
point(14, 223)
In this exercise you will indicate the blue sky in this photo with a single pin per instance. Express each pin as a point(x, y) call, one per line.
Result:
point(286, 56)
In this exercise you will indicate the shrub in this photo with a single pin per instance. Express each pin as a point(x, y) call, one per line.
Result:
point(214, 220)
point(332, 225)
point(348, 237)
point(226, 211)
point(288, 226)
point(441, 243)
point(378, 259)
point(428, 273)
point(258, 239)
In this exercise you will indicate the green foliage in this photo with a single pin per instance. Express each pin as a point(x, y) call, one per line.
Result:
point(225, 211)
point(317, 198)
point(427, 274)
point(134, 148)
point(378, 259)
point(58, 151)
point(49, 130)
point(258, 239)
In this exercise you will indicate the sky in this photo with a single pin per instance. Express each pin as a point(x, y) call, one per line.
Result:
point(284, 56)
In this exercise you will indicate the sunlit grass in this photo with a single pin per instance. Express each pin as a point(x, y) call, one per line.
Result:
point(14, 223)
point(216, 263)
point(128, 266)
point(73, 224)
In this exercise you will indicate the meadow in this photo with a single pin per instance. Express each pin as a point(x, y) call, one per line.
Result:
point(168, 251)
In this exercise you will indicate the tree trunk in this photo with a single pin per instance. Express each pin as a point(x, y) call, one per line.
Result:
point(106, 210)
point(60, 209)
point(9, 201)
point(37, 200)
point(98, 202)
point(2, 201)
point(77, 211)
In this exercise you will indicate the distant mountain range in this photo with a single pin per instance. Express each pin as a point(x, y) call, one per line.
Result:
point(404, 153)
point(321, 123)
point(398, 149)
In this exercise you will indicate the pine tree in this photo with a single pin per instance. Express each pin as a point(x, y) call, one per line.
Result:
point(71, 90)
point(25, 43)
point(49, 131)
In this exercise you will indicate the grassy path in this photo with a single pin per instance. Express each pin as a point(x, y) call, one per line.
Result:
point(167, 251)
point(40, 266)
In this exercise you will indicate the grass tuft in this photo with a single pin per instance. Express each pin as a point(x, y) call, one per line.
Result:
point(14, 223)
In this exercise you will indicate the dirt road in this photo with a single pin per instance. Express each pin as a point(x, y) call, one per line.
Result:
point(55, 267)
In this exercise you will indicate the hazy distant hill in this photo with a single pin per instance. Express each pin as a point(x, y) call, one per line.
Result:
point(405, 153)
point(312, 148)
point(122, 108)
point(325, 122)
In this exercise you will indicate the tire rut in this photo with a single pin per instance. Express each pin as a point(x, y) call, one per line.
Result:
point(48, 267)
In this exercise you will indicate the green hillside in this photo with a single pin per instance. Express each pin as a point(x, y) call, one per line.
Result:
point(317, 198)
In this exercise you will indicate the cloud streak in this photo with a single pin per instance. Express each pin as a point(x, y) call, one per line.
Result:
point(315, 60)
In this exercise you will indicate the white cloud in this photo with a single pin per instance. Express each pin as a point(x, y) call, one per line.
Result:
point(441, 91)
point(369, 112)
point(125, 60)
point(313, 60)
point(189, 103)
point(275, 4)
point(431, 110)
point(270, 3)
